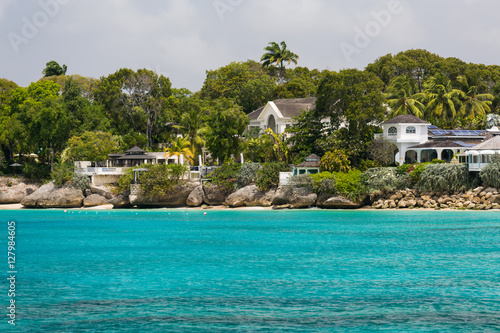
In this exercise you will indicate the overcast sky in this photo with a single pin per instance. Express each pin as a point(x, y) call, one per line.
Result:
point(182, 39)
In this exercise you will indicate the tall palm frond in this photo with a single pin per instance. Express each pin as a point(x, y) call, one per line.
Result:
point(180, 146)
point(474, 104)
point(403, 99)
point(277, 56)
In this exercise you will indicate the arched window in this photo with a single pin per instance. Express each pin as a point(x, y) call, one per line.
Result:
point(271, 123)
point(392, 131)
point(411, 130)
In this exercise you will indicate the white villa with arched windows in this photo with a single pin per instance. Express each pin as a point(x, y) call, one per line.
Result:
point(416, 140)
point(279, 114)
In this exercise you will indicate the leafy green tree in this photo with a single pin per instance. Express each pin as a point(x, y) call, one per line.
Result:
point(352, 102)
point(246, 83)
point(305, 133)
point(416, 64)
point(403, 98)
point(44, 120)
point(9, 124)
point(335, 161)
point(226, 123)
point(91, 146)
point(84, 115)
point(276, 55)
point(134, 100)
point(54, 69)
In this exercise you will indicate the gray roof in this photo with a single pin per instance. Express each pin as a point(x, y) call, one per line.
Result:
point(406, 119)
point(312, 161)
point(135, 150)
point(288, 107)
point(492, 144)
point(137, 157)
point(441, 144)
point(256, 113)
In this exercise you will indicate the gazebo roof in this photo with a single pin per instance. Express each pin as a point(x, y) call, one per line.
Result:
point(135, 150)
point(312, 161)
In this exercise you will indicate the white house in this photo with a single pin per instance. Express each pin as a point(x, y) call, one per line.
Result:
point(419, 141)
point(278, 115)
point(405, 131)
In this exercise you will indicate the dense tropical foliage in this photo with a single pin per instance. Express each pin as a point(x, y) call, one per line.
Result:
point(68, 117)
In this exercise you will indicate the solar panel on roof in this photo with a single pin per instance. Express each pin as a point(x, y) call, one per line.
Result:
point(456, 132)
point(432, 127)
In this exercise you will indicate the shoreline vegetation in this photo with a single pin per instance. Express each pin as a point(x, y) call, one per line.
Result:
point(53, 124)
point(323, 191)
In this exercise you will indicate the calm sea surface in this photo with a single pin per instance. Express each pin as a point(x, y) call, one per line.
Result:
point(253, 271)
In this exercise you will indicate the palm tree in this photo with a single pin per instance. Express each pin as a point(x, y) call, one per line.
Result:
point(474, 104)
point(193, 125)
point(276, 56)
point(180, 146)
point(280, 148)
point(444, 101)
point(402, 97)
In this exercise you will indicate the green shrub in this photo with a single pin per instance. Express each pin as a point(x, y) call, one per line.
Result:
point(490, 174)
point(386, 179)
point(160, 178)
point(437, 161)
point(225, 175)
point(304, 181)
point(347, 184)
point(444, 177)
point(37, 171)
point(269, 175)
point(368, 164)
point(324, 182)
point(416, 173)
point(80, 182)
point(414, 170)
point(350, 185)
point(247, 174)
point(127, 178)
point(62, 173)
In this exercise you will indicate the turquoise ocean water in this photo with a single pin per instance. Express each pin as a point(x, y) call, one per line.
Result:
point(253, 271)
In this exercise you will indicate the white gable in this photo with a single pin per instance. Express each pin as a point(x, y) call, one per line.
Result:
point(269, 109)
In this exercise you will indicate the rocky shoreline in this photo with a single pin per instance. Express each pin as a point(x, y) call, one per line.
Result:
point(193, 194)
point(478, 199)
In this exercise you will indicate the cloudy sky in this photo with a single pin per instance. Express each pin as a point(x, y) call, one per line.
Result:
point(182, 39)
